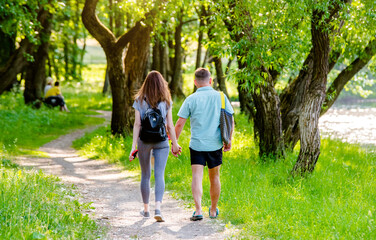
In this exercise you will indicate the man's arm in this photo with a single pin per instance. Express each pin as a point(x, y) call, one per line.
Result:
point(179, 126)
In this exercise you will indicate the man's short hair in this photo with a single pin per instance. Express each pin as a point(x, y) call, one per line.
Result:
point(202, 74)
point(57, 84)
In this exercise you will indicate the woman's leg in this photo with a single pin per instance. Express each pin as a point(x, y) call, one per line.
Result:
point(160, 161)
point(144, 156)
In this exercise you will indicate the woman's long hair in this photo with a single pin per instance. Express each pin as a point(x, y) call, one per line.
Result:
point(154, 89)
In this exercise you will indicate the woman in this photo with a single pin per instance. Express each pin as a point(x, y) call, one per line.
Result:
point(48, 86)
point(154, 93)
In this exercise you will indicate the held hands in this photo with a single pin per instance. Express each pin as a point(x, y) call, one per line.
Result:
point(175, 149)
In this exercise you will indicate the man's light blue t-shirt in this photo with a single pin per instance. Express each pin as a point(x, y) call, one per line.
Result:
point(204, 109)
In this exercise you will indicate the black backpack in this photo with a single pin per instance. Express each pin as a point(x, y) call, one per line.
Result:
point(153, 128)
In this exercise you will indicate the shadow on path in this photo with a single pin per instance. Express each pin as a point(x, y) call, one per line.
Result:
point(116, 196)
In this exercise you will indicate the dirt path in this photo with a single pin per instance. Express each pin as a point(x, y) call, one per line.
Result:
point(116, 196)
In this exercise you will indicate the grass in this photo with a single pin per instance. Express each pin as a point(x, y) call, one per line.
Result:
point(37, 206)
point(26, 128)
point(34, 205)
point(261, 198)
point(86, 96)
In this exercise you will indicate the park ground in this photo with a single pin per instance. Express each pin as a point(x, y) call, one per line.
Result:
point(258, 200)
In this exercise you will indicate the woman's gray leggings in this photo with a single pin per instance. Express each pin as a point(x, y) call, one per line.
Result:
point(160, 152)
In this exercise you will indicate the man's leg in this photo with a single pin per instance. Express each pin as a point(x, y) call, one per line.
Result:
point(215, 189)
point(197, 174)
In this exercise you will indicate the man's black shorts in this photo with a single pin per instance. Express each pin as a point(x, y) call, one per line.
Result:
point(212, 158)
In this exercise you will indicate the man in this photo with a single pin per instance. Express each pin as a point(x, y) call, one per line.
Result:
point(54, 98)
point(204, 107)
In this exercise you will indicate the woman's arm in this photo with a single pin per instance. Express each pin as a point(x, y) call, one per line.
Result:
point(136, 133)
point(176, 149)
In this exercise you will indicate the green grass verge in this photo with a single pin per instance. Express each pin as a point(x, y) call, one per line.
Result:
point(34, 205)
point(37, 206)
point(337, 201)
point(27, 128)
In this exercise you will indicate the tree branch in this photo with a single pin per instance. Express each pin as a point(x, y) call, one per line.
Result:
point(190, 20)
point(96, 28)
point(128, 36)
point(347, 74)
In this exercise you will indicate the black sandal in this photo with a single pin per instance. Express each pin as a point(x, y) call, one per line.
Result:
point(196, 217)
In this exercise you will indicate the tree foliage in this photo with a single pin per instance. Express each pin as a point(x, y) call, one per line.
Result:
point(279, 63)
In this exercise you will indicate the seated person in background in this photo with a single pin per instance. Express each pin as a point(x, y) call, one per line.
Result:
point(48, 86)
point(54, 98)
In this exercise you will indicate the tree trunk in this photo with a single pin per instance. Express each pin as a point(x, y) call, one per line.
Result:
point(312, 102)
point(76, 64)
point(106, 84)
point(111, 15)
point(176, 81)
point(163, 59)
point(55, 65)
point(156, 55)
point(199, 43)
point(14, 65)
point(119, 19)
point(7, 49)
point(220, 78)
point(35, 79)
point(267, 121)
point(66, 60)
point(135, 63)
point(171, 60)
point(125, 76)
point(292, 103)
point(292, 96)
point(120, 108)
point(19, 60)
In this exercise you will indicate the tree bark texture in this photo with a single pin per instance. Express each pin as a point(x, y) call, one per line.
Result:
point(292, 96)
point(292, 103)
point(106, 84)
point(7, 49)
point(124, 76)
point(35, 78)
point(312, 102)
point(163, 59)
point(156, 65)
point(176, 81)
point(134, 67)
point(219, 75)
point(268, 121)
point(199, 43)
